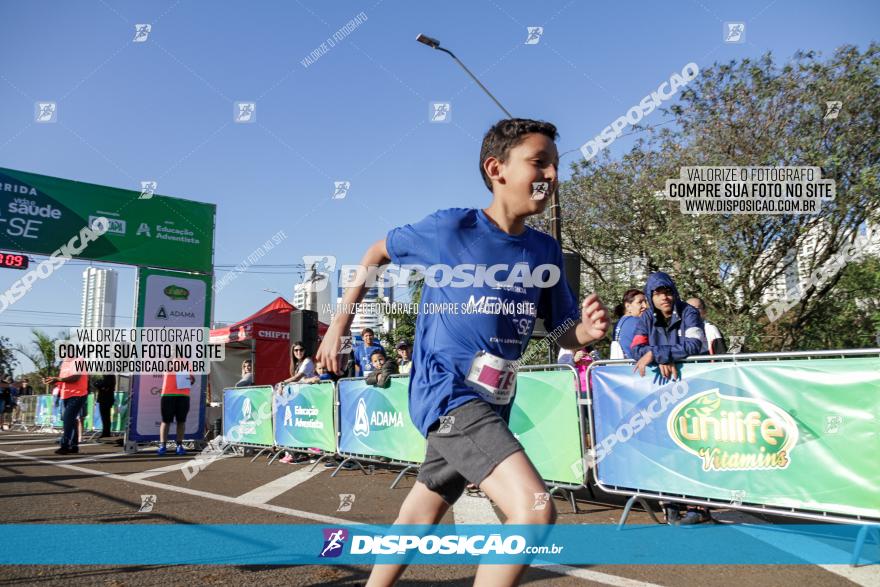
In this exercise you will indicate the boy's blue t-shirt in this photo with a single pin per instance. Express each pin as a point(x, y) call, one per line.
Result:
point(362, 354)
point(499, 318)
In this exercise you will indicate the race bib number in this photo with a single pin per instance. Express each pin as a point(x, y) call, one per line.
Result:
point(493, 377)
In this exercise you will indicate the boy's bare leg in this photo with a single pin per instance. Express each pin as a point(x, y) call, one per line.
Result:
point(421, 506)
point(163, 434)
point(181, 430)
point(512, 485)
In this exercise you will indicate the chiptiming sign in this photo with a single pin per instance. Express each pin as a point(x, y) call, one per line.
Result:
point(39, 214)
point(792, 433)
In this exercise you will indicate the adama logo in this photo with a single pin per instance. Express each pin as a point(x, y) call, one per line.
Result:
point(733, 433)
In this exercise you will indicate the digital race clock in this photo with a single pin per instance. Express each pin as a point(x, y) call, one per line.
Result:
point(13, 260)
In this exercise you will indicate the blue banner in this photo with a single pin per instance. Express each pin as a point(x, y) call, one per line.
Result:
point(375, 421)
point(584, 544)
point(247, 415)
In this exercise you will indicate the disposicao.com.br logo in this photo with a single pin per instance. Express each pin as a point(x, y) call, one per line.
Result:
point(433, 544)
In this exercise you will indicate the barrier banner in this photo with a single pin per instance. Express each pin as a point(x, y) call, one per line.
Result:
point(787, 433)
point(545, 419)
point(119, 412)
point(247, 415)
point(303, 417)
point(375, 421)
point(48, 413)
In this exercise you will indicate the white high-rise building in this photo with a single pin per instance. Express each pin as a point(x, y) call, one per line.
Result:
point(374, 317)
point(99, 298)
point(314, 294)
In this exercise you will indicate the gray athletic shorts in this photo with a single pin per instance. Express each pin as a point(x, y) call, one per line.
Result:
point(466, 446)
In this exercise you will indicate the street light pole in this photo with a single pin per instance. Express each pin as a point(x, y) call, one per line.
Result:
point(435, 44)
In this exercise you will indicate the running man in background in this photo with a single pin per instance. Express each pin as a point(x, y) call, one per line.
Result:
point(464, 368)
point(175, 406)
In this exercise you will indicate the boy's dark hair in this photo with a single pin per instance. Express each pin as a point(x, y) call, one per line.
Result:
point(366, 330)
point(507, 134)
point(378, 352)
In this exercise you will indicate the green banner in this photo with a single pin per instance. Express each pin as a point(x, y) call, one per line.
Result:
point(545, 419)
point(40, 214)
point(119, 412)
point(304, 417)
point(247, 415)
point(375, 421)
point(796, 433)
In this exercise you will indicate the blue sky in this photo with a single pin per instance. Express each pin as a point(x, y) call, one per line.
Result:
point(163, 109)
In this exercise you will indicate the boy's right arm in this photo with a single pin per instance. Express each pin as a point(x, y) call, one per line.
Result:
point(328, 353)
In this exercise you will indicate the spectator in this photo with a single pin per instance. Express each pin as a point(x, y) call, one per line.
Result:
point(629, 311)
point(73, 394)
point(24, 387)
point(247, 374)
point(5, 401)
point(321, 374)
point(404, 356)
point(105, 394)
point(363, 351)
point(669, 331)
point(715, 343)
point(301, 366)
point(383, 369)
point(580, 360)
point(175, 406)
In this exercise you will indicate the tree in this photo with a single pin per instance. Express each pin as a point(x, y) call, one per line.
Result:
point(42, 353)
point(8, 362)
point(747, 113)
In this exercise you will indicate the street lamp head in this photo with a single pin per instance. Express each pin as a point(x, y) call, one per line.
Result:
point(426, 40)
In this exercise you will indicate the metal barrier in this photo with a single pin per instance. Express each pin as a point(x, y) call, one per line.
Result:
point(362, 428)
point(562, 429)
point(313, 420)
point(252, 429)
point(27, 412)
point(730, 429)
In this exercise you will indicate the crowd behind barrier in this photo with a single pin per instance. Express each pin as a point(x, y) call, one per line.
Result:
point(43, 411)
point(793, 434)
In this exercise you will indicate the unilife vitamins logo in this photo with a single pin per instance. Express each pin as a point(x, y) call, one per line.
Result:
point(733, 433)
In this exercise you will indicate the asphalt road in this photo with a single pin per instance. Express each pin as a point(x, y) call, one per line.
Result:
point(103, 485)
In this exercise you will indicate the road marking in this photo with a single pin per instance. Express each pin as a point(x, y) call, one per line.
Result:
point(42, 448)
point(171, 468)
point(185, 490)
point(29, 441)
point(474, 510)
point(269, 491)
point(595, 576)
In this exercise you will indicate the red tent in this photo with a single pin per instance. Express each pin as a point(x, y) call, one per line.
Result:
point(264, 337)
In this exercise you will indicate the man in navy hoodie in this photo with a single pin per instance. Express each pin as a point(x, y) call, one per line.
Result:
point(668, 331)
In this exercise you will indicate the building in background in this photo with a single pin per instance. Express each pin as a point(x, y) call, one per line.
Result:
point(314, 294)
point(99, 298)
point(373, 315)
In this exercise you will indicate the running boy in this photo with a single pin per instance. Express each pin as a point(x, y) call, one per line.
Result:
point(498, 276)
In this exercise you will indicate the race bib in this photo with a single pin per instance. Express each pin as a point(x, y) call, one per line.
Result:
point(493, 377)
